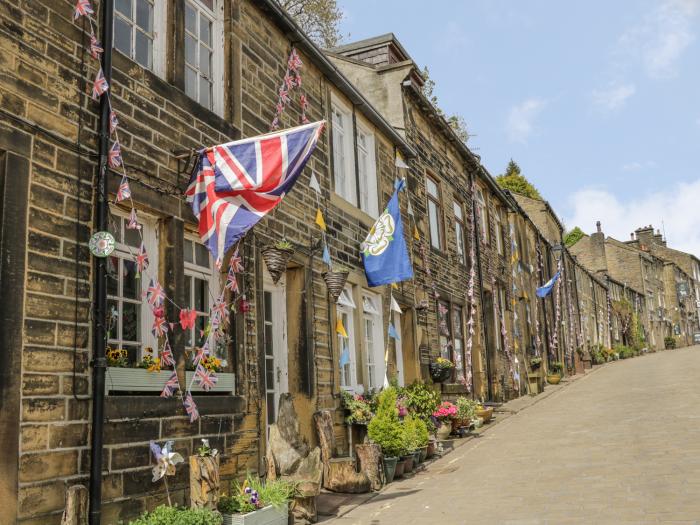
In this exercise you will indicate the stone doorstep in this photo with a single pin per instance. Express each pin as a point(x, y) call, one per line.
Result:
point(332, 505)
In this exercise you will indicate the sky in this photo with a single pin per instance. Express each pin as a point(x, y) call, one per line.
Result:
point(597, 101)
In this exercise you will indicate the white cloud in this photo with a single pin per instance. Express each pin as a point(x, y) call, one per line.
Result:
point(614, 96)
point(660, 39)
point(676, 206)
point(519, 125)
point(638, 166)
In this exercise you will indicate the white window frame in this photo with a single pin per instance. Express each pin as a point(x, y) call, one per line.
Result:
point(158, 37)
point(398, 349)
point(460, 230)
point(128, 253)
point(499, 232)
point(216, 17)
point(210, 275)
point(343, 152)
point(280, 356)
point(373, 340)
point(367, 171)
point(435, 230)
point(346, 306)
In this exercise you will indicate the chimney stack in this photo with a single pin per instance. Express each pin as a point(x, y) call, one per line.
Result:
point(600, 263)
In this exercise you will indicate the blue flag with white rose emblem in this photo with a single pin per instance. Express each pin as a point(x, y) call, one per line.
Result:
point(384, 251)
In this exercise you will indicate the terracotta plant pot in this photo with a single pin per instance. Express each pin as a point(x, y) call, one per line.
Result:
point(390, 468)
point(408, 463)
point(460, 423)
point(439, 375)
point(444, 431)
point(335, 282)
point(486, 414)
point(400, 467)
point(276, 260)
point(553, 379)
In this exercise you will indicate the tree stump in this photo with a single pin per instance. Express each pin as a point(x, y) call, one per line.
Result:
point(371, 464)
point(76, 511)
point(204, 482)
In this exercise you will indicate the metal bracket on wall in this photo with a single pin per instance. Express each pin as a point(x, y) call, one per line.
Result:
point(186, 163)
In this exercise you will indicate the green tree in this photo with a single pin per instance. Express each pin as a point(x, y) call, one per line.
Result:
point(456, 121)
point(573, 236)
point(319, 19)
point(514, 181)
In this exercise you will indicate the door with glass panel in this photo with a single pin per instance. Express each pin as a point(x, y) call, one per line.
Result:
point(275, 343)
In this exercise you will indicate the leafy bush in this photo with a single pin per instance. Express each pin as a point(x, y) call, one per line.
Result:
point(254, 494)
point(422, 400)
point(415, 433)
point(556, 367)
point(466, 408)
point(385, 428)
point(165, 515)
point(669, 342)
point(625, 352)
point(359, 407)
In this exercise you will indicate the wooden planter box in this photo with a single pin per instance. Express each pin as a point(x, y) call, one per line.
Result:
point(266, 516)
point(141, 380)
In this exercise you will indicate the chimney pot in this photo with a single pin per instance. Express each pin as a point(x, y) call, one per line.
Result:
point(597, 225)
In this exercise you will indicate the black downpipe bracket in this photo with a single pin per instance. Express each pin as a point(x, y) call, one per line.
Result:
point(99, 340)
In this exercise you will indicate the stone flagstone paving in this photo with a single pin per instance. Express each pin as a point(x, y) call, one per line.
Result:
point(619, 446)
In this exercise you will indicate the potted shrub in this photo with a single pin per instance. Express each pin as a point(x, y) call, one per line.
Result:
point(335, 279)
point(466, 412)
point(441, 369)
point(669, 343)
point(167, 514)
point(422, 400)
point(256, 502)
point(484, 413)
point(358, 407)
point(417, 431)
point(444, 414)
point(554, 374)
point(385, 430)
point(276, 258)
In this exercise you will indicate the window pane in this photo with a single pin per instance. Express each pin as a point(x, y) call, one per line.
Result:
point(124, 7)
point(144, 15)
point(190, 82)
point(268, 339)
point(132, 238)
point(190, 18)
point(131, 322)
point(201, 295)
point(143, 49)
point(205, 92)
point(458, 211)
point(270, 409)
point(205, 61)
point(434, 225)
point(432, 188)
point(188, 251)
point(130, 284)
point(201, 255)
point(132, 353)
point(113, 276)
point(205, 30)
point(268, 306)
point(122, 36)
point(190, 50)
point(188, 291)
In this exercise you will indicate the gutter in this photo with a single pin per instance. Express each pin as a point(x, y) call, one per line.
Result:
point(303, 42)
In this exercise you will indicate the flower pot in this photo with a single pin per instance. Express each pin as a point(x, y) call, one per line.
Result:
point(440, 375)
point(460, 423)
point(335, 282)
point(485, 413)
point(535, 366)
point(416, 458)
point(390, 468)
point(276, 260)
point(444, 430)
point(400, 467)
point(266, 516)
point(553, 379)
point(430, 450)
point(423, 453)
point(408, 463)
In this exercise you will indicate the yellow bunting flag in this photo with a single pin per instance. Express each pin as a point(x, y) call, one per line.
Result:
point(416, 235)
point(340, 329)
point(319, 220)
point(395, 286)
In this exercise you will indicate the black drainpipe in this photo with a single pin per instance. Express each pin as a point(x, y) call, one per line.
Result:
point(99, 309)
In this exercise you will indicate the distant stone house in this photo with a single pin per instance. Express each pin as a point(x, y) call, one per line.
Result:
point(186, 74)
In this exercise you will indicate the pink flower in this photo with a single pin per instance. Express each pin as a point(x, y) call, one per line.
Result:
point(445, 411)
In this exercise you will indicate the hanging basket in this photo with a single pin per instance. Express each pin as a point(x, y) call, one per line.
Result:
point(276, 260)
point(439, 375)
point(335, 282)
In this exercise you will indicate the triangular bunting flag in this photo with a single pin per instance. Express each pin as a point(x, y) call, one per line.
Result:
point(399, 162)
point(393, 333)
point(314, 185)
point(416, 235)
point(326, 255)
point(344, 357)
point(340, 329)
point(410, 208)
point(395, 306)
point(319, 220)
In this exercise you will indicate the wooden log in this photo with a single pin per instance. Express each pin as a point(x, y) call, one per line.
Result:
point(76, 511)
point(339, 475)
point(326, 438)
point(369, 457)
point(304, 510)
point(204, 482)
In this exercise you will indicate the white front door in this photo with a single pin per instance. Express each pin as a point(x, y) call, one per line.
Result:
point(275, 343)
point(399, 349)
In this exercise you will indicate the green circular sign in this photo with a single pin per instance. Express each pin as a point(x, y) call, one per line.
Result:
point(101, 244)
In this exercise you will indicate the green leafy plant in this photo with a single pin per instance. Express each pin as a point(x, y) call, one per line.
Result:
point(284, 244)
point(535, 362)
point(514, 181)
point(556, 367)
point(443, 364)
point(422, 401)
point(165, 515)
point(228, 505)
point(669, 342)
point(573, 236)
point(359, 408)
point(466, 408)
point(254, 494)
point(416, 432)
point(385, 428)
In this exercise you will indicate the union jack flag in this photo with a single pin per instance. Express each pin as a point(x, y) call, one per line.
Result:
point(199, 355)
point(294, 61)
point(239, 182)
point(207, 380)
point(113, 121)
point(219, 312)
point(133, 223)
point(115, 155)
point(289, 81)
point(303, 101)
point(160, 326)
point(100, 85)
point(236, 263)
point(191, 408)
point(171, 386)
point(166, 355)
point(231, 282)
point(124, 191)
point(155, 293)
point(83, 8)
point(95, 47)
point(141, 259)
point(284, 95)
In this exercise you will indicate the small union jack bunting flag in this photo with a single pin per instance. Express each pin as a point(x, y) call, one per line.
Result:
point(289, 81)
point(133, 223)
point(124, 191)
point(83, 8)
point(284, 95)
point(219, 312)
point(113, 122)
point(171, 386)
point(160, 326)
point(191, 408)
point(199, 355)
point(207, 380)
point(155, 293)
point(236, 263)
point(95, 47)
point(115, 155)
point(231, 282)
point(166, 355)
point(141, 259)
point(294, 61)
point(303, 101)
point(100, 85)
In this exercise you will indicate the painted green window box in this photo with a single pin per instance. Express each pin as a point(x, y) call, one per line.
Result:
point(266, 516)
point(141, 380)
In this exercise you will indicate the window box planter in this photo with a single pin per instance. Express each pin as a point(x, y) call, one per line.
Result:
point(266, 516)
point(141, 380)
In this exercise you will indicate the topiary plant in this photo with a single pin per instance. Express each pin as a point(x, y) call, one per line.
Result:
point(385, 428)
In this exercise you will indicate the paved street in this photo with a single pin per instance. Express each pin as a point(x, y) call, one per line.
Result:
point(621, 445)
